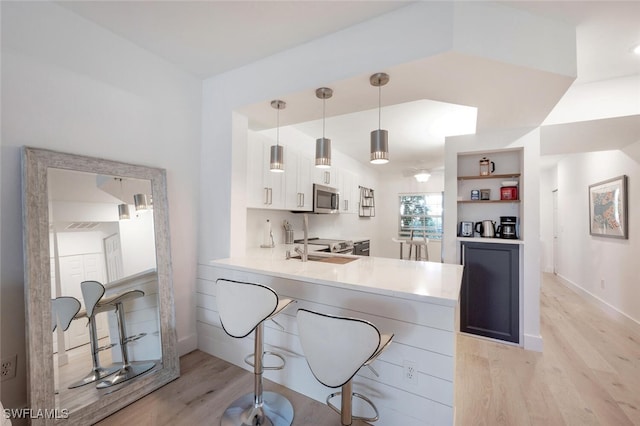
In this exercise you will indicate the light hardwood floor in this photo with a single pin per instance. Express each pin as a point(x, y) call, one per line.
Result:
point(588, 374)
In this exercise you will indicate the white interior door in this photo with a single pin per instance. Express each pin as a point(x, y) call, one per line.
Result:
point(113, 257)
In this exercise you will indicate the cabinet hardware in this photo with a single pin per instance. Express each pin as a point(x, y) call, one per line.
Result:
point(266, 195)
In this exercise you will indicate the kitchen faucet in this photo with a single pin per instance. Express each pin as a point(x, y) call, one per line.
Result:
point(304, 255)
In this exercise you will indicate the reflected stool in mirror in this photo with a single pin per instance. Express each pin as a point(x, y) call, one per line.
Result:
point(243, 308)
point(336, 348)
point(63, 311)
point(129, 369)
point(92, 292)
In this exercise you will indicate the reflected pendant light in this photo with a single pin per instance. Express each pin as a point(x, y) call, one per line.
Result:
point(276, 159)
point(123, 209)
point(140, 201)
point(379, 138)
point(323, 145)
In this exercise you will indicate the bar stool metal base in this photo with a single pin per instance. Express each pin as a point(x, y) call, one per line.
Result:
point(276, 410)
point(125, 373)
point(95, 375)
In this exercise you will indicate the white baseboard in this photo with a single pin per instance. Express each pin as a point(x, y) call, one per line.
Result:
point(611, 310)
point(533, 343)
point(187, 344)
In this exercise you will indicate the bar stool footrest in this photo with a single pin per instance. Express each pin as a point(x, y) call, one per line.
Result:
point(107, 346)
point(248, 358)
point(134, 338)
point(359, 396)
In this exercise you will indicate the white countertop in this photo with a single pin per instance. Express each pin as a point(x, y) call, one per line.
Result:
point(491, 240)
point(423, 281)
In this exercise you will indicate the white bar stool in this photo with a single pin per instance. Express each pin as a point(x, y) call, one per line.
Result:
point(336, 348)
point(243, 308)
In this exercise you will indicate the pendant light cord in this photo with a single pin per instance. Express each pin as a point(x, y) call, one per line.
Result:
point(324, 102)
point(379, 107)
point(278, 125)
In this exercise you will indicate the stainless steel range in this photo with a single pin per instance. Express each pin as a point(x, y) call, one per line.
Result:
point(332, 246)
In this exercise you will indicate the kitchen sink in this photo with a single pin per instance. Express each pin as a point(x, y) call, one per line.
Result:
point(338, 259)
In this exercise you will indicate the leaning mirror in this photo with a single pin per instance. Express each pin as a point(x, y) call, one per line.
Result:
point(99, 295)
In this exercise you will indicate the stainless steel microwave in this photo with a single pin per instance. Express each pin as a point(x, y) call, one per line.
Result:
point(325, 199)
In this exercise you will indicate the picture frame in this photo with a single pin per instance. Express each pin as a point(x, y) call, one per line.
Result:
point(608, 204)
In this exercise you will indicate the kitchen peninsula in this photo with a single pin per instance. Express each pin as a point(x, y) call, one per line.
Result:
point(415, 300)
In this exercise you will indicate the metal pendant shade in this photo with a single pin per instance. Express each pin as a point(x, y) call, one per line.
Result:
point(276, 157)
point(323, 145)
point(141, 201)
point(379, 138)
point(123, 211)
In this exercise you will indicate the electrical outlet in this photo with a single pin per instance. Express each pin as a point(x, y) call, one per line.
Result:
point(410, 372)
point(8, 368)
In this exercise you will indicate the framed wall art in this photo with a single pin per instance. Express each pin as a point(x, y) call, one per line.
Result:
point(608, 208)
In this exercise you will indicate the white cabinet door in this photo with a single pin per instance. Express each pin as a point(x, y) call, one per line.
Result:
point(327, 177)
point(298, 185)
point(265, 189)
point(348, 192)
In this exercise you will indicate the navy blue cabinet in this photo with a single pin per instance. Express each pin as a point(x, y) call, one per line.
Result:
point(489, 298)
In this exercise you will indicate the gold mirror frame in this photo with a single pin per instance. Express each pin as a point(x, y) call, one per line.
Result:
point(40, 366)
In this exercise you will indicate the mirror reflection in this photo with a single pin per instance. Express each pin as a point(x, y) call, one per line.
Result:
point(103, 255)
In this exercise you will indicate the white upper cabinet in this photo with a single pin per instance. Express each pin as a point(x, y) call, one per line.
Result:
point(265, 189)
point(298, 182)
point(327, 177)
point(348, 191)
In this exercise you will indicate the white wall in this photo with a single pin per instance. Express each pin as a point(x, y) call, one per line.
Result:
point(71, 86)
point(548, 184)
point(585, 260)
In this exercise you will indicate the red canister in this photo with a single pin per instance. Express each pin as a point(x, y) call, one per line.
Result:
point(509, 193)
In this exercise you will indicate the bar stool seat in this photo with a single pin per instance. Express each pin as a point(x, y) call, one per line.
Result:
point(336, 348)
point(243, 308)
point(63, 310)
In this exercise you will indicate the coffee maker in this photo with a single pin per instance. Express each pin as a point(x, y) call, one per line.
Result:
point(508, 227)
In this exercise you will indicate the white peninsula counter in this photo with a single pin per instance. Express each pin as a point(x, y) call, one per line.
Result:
point(417, 301)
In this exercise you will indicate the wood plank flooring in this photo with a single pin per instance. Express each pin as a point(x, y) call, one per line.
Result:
point(588, 374)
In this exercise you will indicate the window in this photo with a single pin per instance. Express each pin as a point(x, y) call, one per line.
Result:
point(421, 213)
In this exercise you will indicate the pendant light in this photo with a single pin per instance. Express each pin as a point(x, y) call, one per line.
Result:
point(141, 201)
point(123, 209)
point(379, 138)
point(276, 159)
point(323, 145)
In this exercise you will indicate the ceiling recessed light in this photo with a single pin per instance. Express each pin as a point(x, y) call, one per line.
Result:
point(636, 49)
